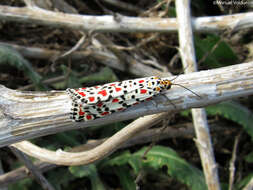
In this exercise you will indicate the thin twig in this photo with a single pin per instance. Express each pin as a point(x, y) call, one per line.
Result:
point(73, 49)
point(2, 173)
point(232, 163)
point(47, 81)
point(143, 42)
point(83, 42)
point(155, 139)
point(101, 55)
point(203, 58)
point(154, 8)
point(123, 5)
point(29, 3)
point(33, 169)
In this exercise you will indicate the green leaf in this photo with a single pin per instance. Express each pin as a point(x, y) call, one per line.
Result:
point(67, 138)
point(89, 171)
point(244, 182)
point(110, 129)
point(72, 80)
point(13, 58)
point(136, 163)
point(234, 112)
point(83, 170)
point(59, 182)
point(249, 157)
point(126, 180)
point(119, 159)
point(185, 113)
point(222, 55)
point(159, 156)
point(105, 75)
point(23, 184)
point(124, 158)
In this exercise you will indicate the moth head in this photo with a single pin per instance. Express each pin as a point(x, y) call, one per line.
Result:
point(166, 84)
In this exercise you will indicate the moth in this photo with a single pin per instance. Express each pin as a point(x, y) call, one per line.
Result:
point(95, 102)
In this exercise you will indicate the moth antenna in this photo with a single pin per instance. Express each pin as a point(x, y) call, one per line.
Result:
point(180, 73)
point(174, 78)
point(188, 89)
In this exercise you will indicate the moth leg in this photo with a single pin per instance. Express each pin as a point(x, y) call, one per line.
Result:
point(170, 101)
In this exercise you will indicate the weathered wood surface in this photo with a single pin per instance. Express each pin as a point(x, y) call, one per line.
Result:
point(26, 115)
point(119, 23)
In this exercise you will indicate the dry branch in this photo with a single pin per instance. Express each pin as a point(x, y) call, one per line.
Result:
point(21, 173)
point(108, 23)
point(37, 174)
point(203, 140)
point(87, 157)
point(25, 115)
point(101, 55)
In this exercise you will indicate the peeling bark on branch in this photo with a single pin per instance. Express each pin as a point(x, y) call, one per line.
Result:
point(25, 115)
point(123, 24)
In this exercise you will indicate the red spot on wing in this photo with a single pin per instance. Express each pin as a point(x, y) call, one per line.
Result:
point(83, 88)
point(136, 103)
point(112, 84)
point(96, 87)
point(105, 113)
point(92, 99)
point(141, 81)
point(115, 100)
point(88, 117)
point(82, 93)
point(81, 113)
point(120, 109)
point(143, 91)
point(100, 104)
point(118, 89)
point(150, 98)
point(103, 92)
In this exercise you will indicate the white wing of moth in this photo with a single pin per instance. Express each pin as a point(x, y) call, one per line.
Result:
point(98, 101)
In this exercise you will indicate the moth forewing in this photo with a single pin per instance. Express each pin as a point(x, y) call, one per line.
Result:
point(94, 102)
